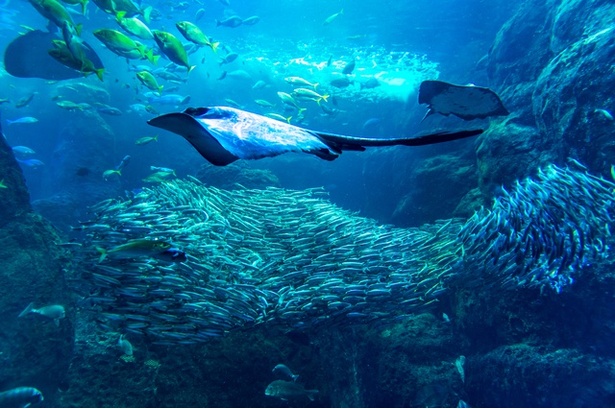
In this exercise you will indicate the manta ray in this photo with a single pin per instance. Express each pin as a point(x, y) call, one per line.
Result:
point(223, 135)
point(464, 101)
point(27, 57)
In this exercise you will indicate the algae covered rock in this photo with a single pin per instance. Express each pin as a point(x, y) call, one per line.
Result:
point(438, 186)
point(34, 351)
point(14, 196)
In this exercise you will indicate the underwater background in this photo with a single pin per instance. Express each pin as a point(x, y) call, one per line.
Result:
point(470, 273)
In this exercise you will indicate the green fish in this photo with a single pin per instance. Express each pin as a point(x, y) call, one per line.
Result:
point(194, 34)
point(264, 103)
point(117, 42)
point(149, 81)
point(73, 106)
point(55, 12)
point(289, 100)
point(279, 117)
point(108, 173)
point(135, 248)
point(83, 3)
point(108, 6)
point(309, 94)
point(300, 81)
point(172, 48)
point(159, 176)
point(146, 140)
point(62, 54)
point(2, 185)
point(134, 26)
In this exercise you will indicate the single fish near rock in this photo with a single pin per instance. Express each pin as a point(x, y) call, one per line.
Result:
point(284, 370)
point(223, 135)
point(31, 163)
point(125, 345)
point(55, 312)
point(289, 391)
point(22, 397)
point(464, 101)
point(24, 150)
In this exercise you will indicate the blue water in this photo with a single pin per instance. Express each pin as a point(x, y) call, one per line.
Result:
point(400, 43)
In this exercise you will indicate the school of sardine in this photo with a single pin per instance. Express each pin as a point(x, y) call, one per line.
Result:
point(293, 258)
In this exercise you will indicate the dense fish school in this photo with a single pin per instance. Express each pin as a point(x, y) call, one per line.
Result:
point(293, 258)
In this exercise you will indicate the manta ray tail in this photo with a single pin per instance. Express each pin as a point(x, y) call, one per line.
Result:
point(349, 143)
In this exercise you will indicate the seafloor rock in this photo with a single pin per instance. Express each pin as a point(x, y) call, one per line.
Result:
point(506, 151)
point(14, 199)
point(535, 348)
point(438, 186)
point(233, 371)
point(33, 350)
point(521, 375)
point(415, 364)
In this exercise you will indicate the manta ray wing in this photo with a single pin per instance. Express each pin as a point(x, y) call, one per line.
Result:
point(464, 101)
point(193, 131)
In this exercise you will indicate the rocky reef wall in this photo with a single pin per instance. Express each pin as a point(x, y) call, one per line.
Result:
point(552, 65)
point(33, 350)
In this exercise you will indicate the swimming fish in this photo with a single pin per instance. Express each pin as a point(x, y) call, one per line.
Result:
point(55, 312)
point(172, 48)
point(125, 161)
point(144, 247)
point(250, 21)
point(223, 135)
point(332, 17)
point(108, 173)
point(289, 390)
point(23, 58)
point(24, 150)
point(125, 345)
point(146, 139)
point(232, 21)
point(284, 370)
point(31, 163)
point(464, 101)
point(22, 120)
point(21, 397)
